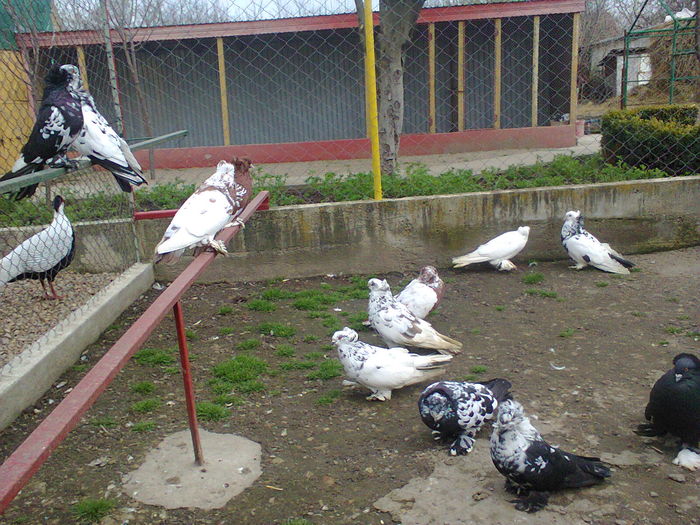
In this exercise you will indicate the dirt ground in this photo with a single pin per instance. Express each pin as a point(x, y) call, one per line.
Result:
point(581, 349)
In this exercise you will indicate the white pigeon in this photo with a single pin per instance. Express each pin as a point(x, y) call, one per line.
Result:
point(586, 250)
point(398, 326)
point(214, 206)
point(498, 251)
point(423, 294)
point(384, 369)
point(43, 255)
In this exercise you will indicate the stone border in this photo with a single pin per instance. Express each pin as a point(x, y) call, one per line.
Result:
point(30, 374)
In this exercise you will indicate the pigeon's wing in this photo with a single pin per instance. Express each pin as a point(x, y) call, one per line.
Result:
point(199, 219)
point(419, 298)
point(504, 246)
point(585, 247)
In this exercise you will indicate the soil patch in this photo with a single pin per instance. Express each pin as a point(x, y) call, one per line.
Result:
point(582, 350)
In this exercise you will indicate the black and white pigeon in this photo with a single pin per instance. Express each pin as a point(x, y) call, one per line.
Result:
point(532, 466)
point(674, 408)
point(586, 250)
point(498, 251)
point(384, 369)
point(58, 123)
point(215, 205)
point(43, 255)
point(456, 410)
point(397, 326)
point(100, 143)
point(423, 294)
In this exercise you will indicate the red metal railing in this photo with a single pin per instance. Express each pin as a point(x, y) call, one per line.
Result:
point(17, 469)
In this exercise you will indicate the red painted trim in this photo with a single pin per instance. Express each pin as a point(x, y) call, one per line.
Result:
point(415, 144)
point(17, 469)
point(311, 23)
point(157, 214)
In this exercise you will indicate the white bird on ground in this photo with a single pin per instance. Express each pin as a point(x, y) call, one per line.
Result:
point(214, 206)
point(43, 255)
point(498, 251)
point(424, 293)
point(384, 369)
point(399, 327)
point(586, 250)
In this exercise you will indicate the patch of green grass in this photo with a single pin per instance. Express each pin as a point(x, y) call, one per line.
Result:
point(478, 369)
point(276, 294)
point(104, 421)
point(327, 370)
point(533, 278)
point(683, 317)
point(277, 329)
point(329, 397)
point(249, 344)
point(240, 369)
point(92, 510)
point(228, 399)
point(297, 521)
point(298, 365)
point(355, 321)
point(475, 331)
point(500, 308)
point(226, 330)
point(333, 323)
point(80, 368)
point(285, 351)
point(147, 405)
point(225, 310)
point(220, 386)
point(663, 343)
point(261, 305)
point(567, 333)
point(144, 387)
point(172, 370)
point(143, 426)
point(327, 348)
point(154, 357)
point(248, 387)
point(470, 378)
point(314, 356)
point(309, 338)
point(638, 314)
point(673, 330)
point(635, 270)
point(541, 293)
point(207, 411)
point(307, 304)
point(672, 299)
point(692, 333)
point(601, 284)
point(191, 335)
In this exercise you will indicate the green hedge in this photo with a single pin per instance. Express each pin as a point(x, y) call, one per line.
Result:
point(662, 137)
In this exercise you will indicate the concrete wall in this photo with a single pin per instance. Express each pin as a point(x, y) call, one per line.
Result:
point(369, 236)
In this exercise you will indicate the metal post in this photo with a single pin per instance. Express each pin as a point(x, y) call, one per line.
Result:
point(187, 379)
point(371, 99)
point(111, 68)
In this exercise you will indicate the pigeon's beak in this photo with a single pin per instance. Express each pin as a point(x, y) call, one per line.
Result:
point(678, 377)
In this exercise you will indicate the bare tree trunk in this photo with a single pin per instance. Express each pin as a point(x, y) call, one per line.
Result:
point(697, 54)
point(398, 17)
point(130, 53)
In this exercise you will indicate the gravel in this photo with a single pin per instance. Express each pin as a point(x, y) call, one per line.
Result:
point(27, 315)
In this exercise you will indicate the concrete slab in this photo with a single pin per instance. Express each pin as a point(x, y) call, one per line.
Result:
point(169, 477)
point(28, 375)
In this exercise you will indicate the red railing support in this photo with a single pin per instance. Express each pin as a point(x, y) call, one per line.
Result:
point(17, 469)
point(187, 380)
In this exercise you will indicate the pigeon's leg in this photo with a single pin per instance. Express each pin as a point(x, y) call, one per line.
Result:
point(464, 444)
point(62, 161)
point(53, 291)
point(506, 266)
point(351, 384)
point(578, 266)
point(236, 222)
point(513, 488)
point(218, 247)
point(438, 436)
point(43, 285)
point(533, 502)
point(379, 395)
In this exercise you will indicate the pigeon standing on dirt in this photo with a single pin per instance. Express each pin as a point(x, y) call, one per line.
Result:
point(456, 410)
point(532, 466)
point(384, 369)
point(586, 250)
point(43, 255)
point(498, 251)
point(399, 327)
point(423, 294)
point(214, 206)
point(57, 125)
point(674, 407)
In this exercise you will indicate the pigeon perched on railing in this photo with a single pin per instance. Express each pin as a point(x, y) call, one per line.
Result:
point(382, 370)
point(456, 410)
point(100, 143)
point(498, 251)
point(532, 466)
point(43, 255)
point(424, 293)
point(586, 250)
point(214, 206)
point(674, 407)
point(399, 327)
point(58, 123)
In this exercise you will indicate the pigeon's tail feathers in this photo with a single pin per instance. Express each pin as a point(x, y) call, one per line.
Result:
point(169, 257)
point(466, 260)
point(624, 262)
point(610, 264)
point(129, 157)
point(430, 362)
point(19, 169)
point(594, 468)
point(649, 430)
point(589, 471)
point(500, 388)
point(125, 176)
point(436, 341)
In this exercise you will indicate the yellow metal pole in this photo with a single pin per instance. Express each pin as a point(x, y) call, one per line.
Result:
point(222, 91)
point(535, 70)
point(83, 66)
point(371, 98)
point(573, 101)
point(497, 75)
point(432, 127)
point(460, 75)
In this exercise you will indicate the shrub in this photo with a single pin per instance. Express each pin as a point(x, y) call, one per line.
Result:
point(663, 138)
